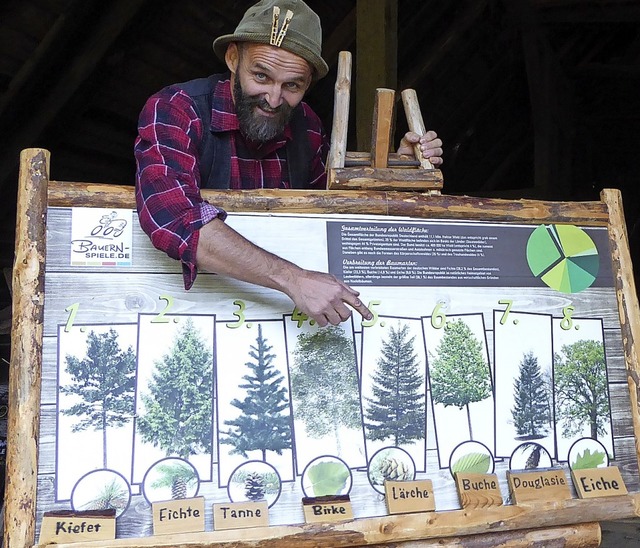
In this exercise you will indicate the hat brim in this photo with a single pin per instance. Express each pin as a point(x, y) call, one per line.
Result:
point(320, 67)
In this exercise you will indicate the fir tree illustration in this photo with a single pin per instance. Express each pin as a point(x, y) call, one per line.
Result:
point(177, 476)
point(397, 409)
point(105, 382)
point(530, 411)
point(178, 406)
point(265, 422)
point(581, 389)
point(324, 383)
point(459, 374)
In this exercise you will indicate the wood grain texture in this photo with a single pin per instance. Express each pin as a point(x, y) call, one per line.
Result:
point(340, 124)
point(26, 349)
point(628, 307)
point(66, 194)
point(503, 521)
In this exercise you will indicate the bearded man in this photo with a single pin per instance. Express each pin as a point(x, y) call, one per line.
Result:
point(246, 129)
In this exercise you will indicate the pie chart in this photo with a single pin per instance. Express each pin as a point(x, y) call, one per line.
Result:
point(564, 257)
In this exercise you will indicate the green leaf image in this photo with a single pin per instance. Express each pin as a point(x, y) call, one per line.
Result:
point(327, 478)
point(588, 460)
point(474, 463)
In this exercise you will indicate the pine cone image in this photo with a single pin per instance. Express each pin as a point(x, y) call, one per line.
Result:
point(178, 488)
point(391, 469)
point(254, 487)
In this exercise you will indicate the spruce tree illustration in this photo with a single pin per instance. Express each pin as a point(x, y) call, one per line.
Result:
point(581, 388)
point(265, 422)
point(459, 374)
point(397, 409)
point(530, 411)
point(177, 414)
point(177, 476)
point(324, 383)
point(105, 382)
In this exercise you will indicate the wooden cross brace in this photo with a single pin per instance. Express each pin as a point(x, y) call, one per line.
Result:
point(378, 169)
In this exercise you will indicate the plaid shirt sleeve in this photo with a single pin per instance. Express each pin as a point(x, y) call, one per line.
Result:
point(319, 144)
point(170, 208)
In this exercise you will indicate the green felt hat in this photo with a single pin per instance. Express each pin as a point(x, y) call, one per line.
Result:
point(289, 24)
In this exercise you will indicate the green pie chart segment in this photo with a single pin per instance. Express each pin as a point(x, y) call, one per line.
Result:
point(564, 257)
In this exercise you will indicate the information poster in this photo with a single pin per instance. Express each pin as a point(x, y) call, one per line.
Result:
point(493, 346)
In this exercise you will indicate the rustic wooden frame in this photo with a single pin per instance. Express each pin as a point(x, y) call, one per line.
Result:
point(574, 520)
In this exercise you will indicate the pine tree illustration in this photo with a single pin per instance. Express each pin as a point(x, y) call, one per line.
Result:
point(254, 486)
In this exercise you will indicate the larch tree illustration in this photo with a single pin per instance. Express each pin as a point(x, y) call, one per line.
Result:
point(177, 414)
point(265, 420)
point(459, 374)
point(397, 408)
point(530, 410)
point(104, 381)
point(581, 388)
point(324, 383)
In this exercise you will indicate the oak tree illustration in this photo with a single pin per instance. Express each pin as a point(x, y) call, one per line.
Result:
point(324, 383)
point(459, 374)
point(105, 382)
point(177, 414)
point(530, 411)
point(265, 422)
point(581, 388)
point(397, 408)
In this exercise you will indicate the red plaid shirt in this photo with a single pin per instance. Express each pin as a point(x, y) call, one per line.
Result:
point(170, 207)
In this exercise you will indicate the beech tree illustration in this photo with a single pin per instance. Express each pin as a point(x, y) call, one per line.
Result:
point(397, 408)
point(265, 422)
point(177, 413)
point(324, 383)
point(105, 382)
point(459, 374)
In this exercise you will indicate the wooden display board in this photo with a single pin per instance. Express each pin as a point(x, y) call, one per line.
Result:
point(427, 265)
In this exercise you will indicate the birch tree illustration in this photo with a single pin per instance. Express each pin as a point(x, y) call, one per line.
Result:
point(459, 374)
point(324, 383)
point(178, 406)
point(265, 422)
point(582, 394)
point(105, 382)
point(397, 409)
point(531, 407)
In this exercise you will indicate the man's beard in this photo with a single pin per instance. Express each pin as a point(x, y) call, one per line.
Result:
point(253, 125)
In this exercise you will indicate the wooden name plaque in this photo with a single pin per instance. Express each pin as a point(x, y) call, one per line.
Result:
point(598, 482)
point(409, 496)
point(178, 516)
point(478, 490)
point(538, 485)
point(327, 509)
point(63, 527)
point(240, 515)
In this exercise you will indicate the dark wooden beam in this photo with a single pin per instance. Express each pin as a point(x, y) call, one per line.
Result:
point(376, 59)
point(47, 103)
point(425, 63)
point(551, 103)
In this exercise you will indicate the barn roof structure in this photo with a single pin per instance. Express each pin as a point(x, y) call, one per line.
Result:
point(532, 98)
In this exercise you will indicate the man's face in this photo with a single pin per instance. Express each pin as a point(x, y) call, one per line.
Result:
point(268, 83)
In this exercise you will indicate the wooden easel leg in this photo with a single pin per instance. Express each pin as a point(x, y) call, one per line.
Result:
point(26, 350)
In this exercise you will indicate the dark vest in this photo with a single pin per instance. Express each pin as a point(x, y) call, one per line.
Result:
point(215, 147)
